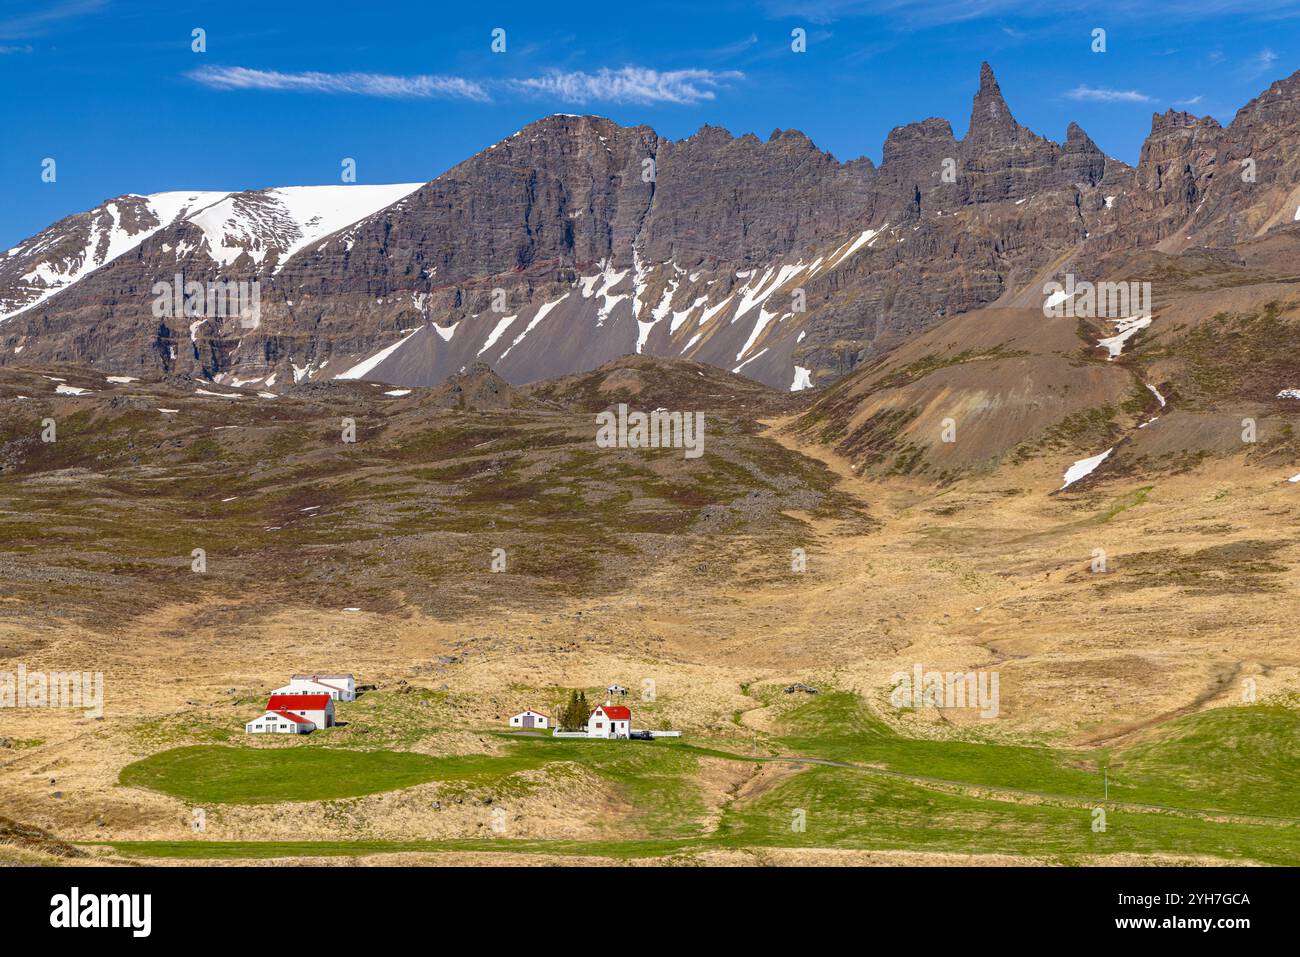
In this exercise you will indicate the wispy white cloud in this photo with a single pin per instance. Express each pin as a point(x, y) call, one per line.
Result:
point(1260, 63)
point(40, 22)
point(25, 48)
point(733, 49)
point(1190, 101)
point(1097, 94)
point(630, 84)
point(420, 86)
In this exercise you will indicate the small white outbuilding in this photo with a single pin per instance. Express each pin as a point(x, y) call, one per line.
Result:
point(530, 719)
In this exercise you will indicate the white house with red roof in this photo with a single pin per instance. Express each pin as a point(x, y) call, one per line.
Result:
point(316, 708)
point(609, 721)
point(340, 687)
point(280, 722)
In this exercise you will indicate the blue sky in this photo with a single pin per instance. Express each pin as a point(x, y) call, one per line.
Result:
point(112, 90)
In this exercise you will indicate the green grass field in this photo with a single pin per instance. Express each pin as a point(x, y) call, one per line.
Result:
point(1242, 760)
point(846, 809)
point(213, 774)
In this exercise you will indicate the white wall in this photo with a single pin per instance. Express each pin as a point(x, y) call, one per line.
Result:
point(265, 725)
point(612, 728)
point(307, 686)
point(321, 718)
point(539, 720)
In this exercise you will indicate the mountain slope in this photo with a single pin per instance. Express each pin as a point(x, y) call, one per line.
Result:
point(1009, 388)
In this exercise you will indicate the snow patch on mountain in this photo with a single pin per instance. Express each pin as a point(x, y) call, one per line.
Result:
point(1084, 468)
point(318, 211)
point(288, 219)
point(359, 370)
point(602, 284)
point(749, 360)
point(1125, 329)
point(501, 326)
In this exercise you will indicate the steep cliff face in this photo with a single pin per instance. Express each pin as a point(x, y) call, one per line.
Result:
point(561, 190)
point(719, 198)
point(1174, 172)
point(1201, 184)
point(577, 240)
point(1255, 178)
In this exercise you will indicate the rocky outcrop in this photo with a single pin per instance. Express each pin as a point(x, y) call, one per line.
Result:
point(477, 389)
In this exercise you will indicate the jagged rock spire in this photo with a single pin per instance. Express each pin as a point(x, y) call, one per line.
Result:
point(991, 121)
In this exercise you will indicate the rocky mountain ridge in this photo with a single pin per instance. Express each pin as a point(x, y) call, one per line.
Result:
point(576, 240)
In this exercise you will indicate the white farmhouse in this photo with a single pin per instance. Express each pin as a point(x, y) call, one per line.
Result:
point(609, 721)
point(316, 708)
point(338, 687)
point(280, 722)
point(530, 719)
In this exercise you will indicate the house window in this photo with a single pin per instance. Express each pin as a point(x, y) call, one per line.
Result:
point(599, 726)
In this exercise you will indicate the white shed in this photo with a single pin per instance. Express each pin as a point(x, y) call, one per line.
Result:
point(530, 719)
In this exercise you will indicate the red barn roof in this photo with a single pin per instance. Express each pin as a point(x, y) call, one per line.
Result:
point(300, 702)
point(616, 712)
point(292, 717)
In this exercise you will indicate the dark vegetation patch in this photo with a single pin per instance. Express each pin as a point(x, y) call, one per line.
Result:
point(1231, 568)
point(1250, 356)
point(922, 367)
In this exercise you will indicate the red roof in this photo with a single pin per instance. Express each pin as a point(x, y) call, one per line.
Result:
point(615, 712)
point(299, 702)
point(292, 717)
